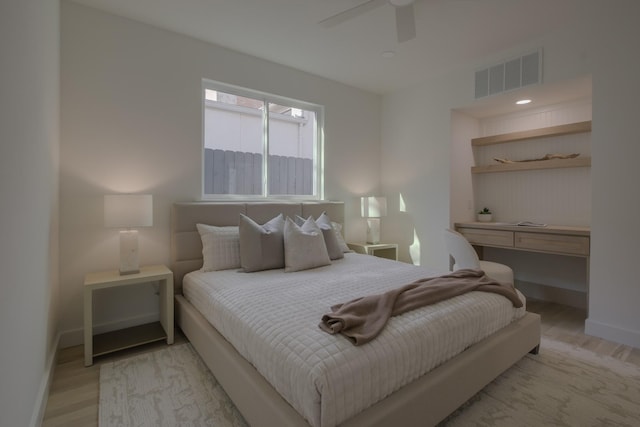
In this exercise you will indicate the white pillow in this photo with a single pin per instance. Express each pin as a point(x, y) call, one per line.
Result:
point(337, 227)
point(220, 247)
point(304, 246)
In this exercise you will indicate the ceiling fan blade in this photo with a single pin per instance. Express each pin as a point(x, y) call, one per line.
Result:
point(339, 18)
point(405, 23)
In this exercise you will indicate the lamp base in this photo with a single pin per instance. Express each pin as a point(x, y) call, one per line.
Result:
point(129, 263)
point(373, 230)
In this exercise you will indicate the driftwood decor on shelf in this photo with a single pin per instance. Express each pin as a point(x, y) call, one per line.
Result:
point(545, 157)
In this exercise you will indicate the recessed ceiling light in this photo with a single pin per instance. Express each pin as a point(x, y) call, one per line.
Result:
point(388, 54)
point(523, 101)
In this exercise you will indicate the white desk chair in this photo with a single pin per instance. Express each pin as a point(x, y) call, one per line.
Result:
point(466, 257)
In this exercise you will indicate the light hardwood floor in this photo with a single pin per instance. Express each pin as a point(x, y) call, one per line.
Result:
point(73, 398)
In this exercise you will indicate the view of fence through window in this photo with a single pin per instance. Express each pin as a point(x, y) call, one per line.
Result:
point(235, 143)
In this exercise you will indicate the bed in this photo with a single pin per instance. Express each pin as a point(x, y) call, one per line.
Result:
point(424, 400)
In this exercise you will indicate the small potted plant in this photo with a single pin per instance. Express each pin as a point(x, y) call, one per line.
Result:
point(485, 215)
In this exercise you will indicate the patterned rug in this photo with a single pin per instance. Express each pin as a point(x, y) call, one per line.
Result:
point(169, 387)
point(561, 386)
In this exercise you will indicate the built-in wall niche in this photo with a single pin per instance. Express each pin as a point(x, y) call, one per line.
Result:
point(558, 121)
point(548, 191)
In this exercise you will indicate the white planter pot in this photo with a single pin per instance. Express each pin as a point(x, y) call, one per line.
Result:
point(484, 217)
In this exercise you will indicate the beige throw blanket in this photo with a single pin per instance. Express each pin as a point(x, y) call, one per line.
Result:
point(362, 319)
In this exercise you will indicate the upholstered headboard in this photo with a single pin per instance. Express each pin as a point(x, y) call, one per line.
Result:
point(186, 246)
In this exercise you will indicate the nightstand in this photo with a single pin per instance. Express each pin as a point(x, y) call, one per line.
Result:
point(96, 345)
point(382, 250)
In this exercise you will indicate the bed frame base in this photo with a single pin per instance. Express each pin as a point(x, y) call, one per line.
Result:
point(424, 402)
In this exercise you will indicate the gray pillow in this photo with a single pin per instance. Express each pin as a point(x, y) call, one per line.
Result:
point(329, 234)
point(304, 246)
point(261, 246)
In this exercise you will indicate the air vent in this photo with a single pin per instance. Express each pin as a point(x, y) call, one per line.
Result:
point(515, 73)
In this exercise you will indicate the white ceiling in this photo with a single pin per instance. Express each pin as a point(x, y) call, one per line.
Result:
point(449, 33)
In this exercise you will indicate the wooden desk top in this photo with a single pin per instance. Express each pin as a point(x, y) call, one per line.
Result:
point(549, 229)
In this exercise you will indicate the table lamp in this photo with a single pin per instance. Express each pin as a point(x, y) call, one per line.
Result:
point(126, 211)
point(373, 208)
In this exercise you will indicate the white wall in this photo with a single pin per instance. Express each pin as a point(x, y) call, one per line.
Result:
point(132, 122)
point(463, 128)
point(600, 40)
point(29, 137)
point(415, 169)
point(615, 285)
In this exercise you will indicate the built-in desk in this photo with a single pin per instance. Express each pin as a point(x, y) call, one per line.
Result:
point(552, 239)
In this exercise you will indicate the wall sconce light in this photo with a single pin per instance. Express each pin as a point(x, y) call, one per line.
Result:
point(126, 211)
point(373, 208)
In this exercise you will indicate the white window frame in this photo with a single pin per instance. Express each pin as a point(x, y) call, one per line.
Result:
point(318, 149)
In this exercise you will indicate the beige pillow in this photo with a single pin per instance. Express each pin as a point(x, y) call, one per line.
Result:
point(337, 227)
point(304, 246)
point(220, 247)
point(330, 237)
point(261, 246)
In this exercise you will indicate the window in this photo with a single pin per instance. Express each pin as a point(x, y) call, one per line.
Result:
point(260, 145)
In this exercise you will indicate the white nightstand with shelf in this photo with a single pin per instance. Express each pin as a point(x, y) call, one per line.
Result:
point(382, 250)
point(96, 345)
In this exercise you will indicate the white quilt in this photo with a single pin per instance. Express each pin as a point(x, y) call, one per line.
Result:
point(272, 318)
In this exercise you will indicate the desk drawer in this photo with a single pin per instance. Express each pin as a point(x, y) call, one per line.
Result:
point(556, 243)
point(484, 237)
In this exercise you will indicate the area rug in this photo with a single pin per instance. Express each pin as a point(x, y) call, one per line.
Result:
point(561, 386)
point(168, 387)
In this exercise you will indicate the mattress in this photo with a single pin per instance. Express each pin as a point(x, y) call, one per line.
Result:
point(272, 318)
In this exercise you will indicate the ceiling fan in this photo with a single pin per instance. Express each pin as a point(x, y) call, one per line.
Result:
point(405, 19)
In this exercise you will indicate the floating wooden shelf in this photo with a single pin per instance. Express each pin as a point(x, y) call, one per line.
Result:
point(539, 164)
point(579, 127)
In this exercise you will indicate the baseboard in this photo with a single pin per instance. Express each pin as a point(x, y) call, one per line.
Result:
point(612, 333)
point(45, 385)
point(562, 296)
point(73, 337)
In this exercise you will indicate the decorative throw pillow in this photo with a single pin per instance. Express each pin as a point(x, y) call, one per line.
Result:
point(304, 246)
point(261, 246)
point(337, 227)
point(220, 247)
point(330, 238)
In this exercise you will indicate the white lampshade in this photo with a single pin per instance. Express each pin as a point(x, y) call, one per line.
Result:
point(373, 207)
point(128, 210)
